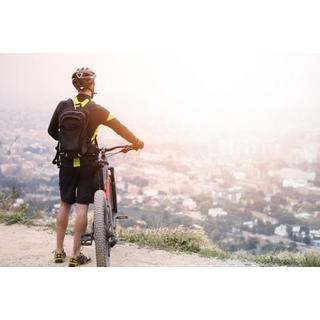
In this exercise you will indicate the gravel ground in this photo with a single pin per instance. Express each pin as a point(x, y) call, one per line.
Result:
point(23, 246)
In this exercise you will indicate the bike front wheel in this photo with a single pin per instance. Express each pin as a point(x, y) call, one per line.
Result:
point(101, 229)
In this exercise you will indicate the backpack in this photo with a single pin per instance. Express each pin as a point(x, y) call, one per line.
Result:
point(73, 130)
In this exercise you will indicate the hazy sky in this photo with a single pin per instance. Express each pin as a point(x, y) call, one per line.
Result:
point(201, 92)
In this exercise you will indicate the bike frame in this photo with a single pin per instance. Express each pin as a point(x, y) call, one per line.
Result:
point(107, 182)
point(104, 179)
point(105, 185)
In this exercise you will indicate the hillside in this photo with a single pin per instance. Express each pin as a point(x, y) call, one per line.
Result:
point(32, 246)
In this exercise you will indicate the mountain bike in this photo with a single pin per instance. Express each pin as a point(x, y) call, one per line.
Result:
point(105, 208)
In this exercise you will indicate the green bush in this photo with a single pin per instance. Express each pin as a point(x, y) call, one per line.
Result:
point(311, 259)
point(14, 217)
point(163, 238)
point(285, 258)
point(175, 239)
point(213, 252)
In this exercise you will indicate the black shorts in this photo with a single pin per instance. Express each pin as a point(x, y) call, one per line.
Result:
point(78, 185)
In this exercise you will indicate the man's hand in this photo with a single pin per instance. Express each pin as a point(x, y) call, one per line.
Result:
point(138, 145)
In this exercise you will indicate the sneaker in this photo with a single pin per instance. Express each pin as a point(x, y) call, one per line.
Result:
point(59, 256)
point(79, 260)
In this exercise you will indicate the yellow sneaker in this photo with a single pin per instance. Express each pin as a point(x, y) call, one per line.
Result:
point(79, 260)
point(59, 256)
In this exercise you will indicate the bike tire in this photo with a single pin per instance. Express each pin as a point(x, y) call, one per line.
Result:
point(101, 229)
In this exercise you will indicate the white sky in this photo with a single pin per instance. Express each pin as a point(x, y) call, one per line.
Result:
point(195, 91)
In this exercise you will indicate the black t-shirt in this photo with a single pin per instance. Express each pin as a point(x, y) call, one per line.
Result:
point(97, 116)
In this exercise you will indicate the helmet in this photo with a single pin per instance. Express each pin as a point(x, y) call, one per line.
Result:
point(82, 78)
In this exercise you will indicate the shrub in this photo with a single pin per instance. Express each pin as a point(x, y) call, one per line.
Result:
point(163, 238)
point(213, 252)
point(14, 217)
point(178, 239)
point(285, 258)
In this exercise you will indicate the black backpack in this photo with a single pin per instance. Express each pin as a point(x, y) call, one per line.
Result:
point(73, 130)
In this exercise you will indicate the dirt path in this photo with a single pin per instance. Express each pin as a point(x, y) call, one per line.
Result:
point(31, 247)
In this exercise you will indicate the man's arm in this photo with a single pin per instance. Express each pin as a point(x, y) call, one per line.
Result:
point(53, 129)
point(120, 129)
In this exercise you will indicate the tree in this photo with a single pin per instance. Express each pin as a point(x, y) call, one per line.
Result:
point(14, 193)
point(292, 246)
point(230, 207)
point(204, 206)
point(263, 228)
point(286, 218)
point(252, 243)
point(307, 240)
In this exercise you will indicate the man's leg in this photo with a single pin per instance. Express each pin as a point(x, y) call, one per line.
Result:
point(79, 227)
point(62, 223)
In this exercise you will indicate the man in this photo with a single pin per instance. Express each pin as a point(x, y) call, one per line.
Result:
point(78, 178)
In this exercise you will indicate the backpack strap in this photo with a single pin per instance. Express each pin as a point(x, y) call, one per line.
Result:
point(57, 159)
point(78, 103)
point(94, 136)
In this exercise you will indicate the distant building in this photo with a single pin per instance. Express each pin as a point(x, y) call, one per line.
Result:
point(264, 217)
point(315, 233)
point(8, 169)
point(216, 212)
point(296, 230)
point(198, 227)
point(195, 215)
point(150, 192)
point(235, 230)
point(139, 198)
point(294, 183)
point(239, 175)
point(234, 196)
point(189, 204)
point(290, 173)
point(303, 215)
point(281, 231)
point(141, 223)
point(249, 224)
point(316, 243)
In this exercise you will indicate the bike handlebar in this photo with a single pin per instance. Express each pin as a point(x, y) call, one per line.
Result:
point(125, 148)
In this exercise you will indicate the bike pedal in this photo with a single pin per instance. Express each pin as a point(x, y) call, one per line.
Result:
point(86, 239)
point(113, 241)
point(121, 217)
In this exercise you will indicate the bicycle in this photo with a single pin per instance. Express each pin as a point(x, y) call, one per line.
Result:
point(105, 208)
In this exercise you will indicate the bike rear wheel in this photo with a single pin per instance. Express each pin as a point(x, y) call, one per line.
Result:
point(102, 214)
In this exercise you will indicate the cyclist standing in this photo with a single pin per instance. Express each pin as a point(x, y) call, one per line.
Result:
point(78, 178)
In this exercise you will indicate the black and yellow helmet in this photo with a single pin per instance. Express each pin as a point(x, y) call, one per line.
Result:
point(82, 78)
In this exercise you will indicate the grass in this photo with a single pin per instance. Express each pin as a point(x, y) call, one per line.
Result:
point(214, 252)
point(163, 238)
point(173, 239)
point(183, 240)
point(9, 218)
point(22, 217)
point(285, 258)
point(194, 242)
